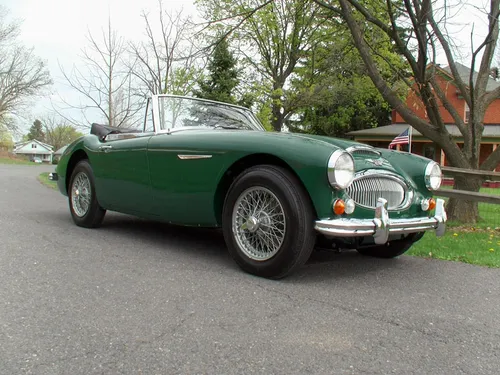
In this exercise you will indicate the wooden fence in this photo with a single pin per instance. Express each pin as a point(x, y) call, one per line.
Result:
point(468, 195)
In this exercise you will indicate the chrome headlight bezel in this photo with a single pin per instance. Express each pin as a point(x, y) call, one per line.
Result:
point(334, 170)
point(433, 176)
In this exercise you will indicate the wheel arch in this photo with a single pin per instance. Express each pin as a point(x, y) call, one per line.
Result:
point(240, 166)
point(77, 156)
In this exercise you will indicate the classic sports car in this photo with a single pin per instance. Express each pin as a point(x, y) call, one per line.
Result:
point(276, 195)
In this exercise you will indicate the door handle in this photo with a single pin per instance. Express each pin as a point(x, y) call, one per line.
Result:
point(105, 147)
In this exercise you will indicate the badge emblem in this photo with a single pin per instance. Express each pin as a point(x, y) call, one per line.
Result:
point(377, 162)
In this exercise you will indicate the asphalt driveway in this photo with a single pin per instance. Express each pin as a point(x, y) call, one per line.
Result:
point(137, 297)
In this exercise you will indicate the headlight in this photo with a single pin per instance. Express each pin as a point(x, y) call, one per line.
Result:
point(340, 169)
point(433, 176)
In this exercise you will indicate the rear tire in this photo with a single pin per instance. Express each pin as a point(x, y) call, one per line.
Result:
point(85, 210)
point(391, 249)
point(268, 222)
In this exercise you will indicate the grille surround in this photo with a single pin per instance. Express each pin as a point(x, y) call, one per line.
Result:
point(367, 187)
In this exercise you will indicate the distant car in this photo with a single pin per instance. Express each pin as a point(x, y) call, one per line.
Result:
point(275, 195)
point(37, 160)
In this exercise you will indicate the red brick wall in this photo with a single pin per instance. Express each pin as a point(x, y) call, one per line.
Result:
point(415, 104)
point(492, 115)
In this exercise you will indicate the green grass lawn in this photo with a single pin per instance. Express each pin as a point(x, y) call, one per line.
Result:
point(478, 244)
point(481, 247)
point(4, 160)
point(44, 179)
point(489, 213)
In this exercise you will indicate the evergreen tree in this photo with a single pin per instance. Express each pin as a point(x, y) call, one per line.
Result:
point(222, 78)
point(36, 132)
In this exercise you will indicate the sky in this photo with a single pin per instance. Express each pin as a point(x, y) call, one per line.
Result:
point(57, 28)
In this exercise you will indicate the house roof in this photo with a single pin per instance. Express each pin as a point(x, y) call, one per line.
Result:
point(21, 145)
point(390, 131)
point(46, 145)
point(464, 73)
point(61, 150)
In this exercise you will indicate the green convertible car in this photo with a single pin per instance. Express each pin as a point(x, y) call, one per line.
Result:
point(275, 195)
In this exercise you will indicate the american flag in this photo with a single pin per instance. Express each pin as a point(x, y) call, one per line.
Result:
point(402, 139)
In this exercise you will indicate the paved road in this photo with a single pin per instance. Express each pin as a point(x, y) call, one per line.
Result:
point(135, 297)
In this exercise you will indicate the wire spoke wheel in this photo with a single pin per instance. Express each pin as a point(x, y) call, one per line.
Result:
point(259, 223)
point(81, 194)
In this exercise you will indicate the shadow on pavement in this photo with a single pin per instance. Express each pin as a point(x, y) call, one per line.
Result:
point(208, 243)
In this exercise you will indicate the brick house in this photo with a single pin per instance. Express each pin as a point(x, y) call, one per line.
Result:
point(383, 135)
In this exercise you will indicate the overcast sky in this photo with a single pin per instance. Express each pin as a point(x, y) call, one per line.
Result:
point(57, 29)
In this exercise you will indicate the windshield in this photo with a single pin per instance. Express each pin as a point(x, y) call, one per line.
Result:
point(182, 112)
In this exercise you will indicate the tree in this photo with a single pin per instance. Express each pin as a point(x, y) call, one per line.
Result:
point(36, 132)
point(418, 29)
point(274, 36)
point(105, 82)
point(23, 76)
point(331, 91)
point(6, 142)
point(166, 62)
point(222, 78)
point(58, 133)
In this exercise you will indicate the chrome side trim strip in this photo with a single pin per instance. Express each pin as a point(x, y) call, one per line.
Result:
point(192, 157)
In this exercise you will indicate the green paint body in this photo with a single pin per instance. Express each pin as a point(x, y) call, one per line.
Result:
point(144, 175)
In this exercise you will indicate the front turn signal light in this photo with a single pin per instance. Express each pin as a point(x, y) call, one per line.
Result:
point(339, 207)
point(428, 204)
point(432, 204)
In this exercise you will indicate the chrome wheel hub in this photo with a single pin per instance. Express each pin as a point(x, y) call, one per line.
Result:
point(258, 223)
point(80, 194)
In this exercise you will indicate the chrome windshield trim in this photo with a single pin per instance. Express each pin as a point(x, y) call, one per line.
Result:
point(253, 119)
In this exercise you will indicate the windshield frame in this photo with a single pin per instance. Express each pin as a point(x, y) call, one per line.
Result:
point(252, 120)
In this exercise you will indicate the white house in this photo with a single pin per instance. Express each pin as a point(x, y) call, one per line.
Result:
point(33, 149)
point(59, 152)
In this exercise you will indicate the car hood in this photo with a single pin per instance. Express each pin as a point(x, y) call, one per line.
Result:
point(341, 143)
point(362, 160)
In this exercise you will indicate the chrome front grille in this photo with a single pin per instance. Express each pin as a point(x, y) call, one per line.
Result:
point(366, 190)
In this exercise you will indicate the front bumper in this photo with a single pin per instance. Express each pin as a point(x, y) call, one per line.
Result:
point(381, 226)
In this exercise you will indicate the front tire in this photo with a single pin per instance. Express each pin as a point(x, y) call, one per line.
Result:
point(85, 210)
point(268, 222)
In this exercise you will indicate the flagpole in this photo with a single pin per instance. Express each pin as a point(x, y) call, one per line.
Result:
point(409, 142)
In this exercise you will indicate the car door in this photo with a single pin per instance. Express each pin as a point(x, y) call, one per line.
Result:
point(184, 177)
point(184, 167)
point(122, 175)
point(122, 170)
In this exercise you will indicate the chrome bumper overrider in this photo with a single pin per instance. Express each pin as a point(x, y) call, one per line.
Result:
point(381, 226)
point(53, 176)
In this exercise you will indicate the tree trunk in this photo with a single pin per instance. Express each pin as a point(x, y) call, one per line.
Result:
point(278, 117)
point(461, 210)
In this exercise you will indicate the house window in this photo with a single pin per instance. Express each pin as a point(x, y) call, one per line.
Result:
point(467, 113)
point(33, 145)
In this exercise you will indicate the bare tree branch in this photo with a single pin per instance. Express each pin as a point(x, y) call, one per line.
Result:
point(23, 76)
point(104, 82)
point(168, 48)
